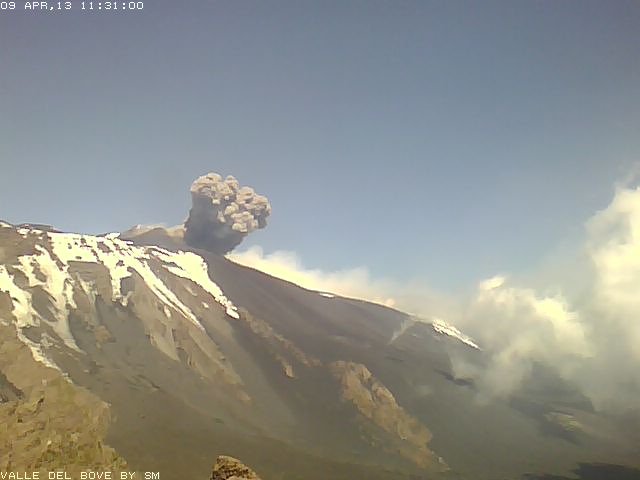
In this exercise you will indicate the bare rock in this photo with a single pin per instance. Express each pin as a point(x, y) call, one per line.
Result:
point(229, 468)
point(375, 402)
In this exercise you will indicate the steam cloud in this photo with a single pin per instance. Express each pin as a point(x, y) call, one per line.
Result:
point(521, 327)
point(591, 339)
point(584, 325)
point(223, 213)
point(353, 282)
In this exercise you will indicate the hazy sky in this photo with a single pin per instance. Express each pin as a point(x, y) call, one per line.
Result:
point(442, 140)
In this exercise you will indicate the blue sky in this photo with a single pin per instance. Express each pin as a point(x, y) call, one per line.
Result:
point(445, 141)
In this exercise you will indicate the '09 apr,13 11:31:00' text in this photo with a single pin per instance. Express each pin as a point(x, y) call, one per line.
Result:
point(49, 6)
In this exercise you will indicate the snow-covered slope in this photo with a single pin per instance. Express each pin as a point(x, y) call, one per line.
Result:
point(439, 326)
point(444, 328)
point(48, 267)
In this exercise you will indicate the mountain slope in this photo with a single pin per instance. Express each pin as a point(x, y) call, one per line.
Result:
point(176, 355)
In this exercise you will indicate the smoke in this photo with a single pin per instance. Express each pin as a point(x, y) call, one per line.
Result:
point(592, 339)
point(353, 283)
point(613, 247)
point(519, 327)
point(223, 213)
point(585, 326)
point(404, 326)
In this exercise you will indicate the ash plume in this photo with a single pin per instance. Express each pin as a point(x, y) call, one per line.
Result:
point(223, 213)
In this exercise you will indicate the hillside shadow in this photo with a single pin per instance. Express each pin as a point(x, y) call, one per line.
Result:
point(594, 471)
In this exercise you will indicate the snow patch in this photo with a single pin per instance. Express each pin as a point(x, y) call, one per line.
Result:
point(193, 267)
point(24, 315)
point(48, 268)
point(444, 328)
point(57, 284)
point(121, 259)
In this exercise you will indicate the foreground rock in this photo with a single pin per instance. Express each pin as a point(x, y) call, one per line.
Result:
point(229, 468)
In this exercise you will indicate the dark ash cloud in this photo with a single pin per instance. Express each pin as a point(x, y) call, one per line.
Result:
point(223, 213)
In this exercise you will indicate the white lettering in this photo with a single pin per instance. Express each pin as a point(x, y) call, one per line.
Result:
point(36, 5)
point(19, 475)
point(59, 476)
point(95, 475)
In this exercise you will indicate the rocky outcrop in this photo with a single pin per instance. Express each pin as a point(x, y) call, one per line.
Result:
point(283, 349)
point(229, 468)
point(377, 404)
point(48, 422)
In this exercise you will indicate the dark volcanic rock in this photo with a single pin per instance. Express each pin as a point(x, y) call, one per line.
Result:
point(229, 468)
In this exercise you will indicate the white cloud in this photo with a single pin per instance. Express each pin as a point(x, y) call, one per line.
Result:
point(591, 338)
point(614, 247)
point(518, 327)
point(614, 302)
point(353, 282)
